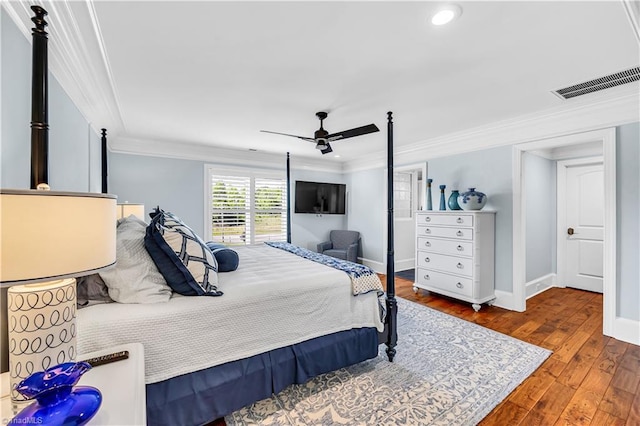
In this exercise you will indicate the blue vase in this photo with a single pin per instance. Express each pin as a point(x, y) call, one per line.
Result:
point(429, 202)
point(472, 200)
point(453, 200)
point(57, 401)
point(443, 205)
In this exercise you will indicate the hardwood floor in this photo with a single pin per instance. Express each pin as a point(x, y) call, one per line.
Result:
point(589, 379)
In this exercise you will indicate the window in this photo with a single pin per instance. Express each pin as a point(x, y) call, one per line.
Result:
point(403, 195)
point(246, 207)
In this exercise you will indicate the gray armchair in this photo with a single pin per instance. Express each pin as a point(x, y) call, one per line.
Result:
point(342, 245)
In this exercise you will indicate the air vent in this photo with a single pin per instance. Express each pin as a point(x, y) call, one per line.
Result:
point(601, 83)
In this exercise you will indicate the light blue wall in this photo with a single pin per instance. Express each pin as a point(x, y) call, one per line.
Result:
point(489, 171)
point(178, 186)
point(307, 230)
point(539, 176)
point(68, 129)
point(628, 220)
point(173, 184)
point(366, 211)
point(15, 51)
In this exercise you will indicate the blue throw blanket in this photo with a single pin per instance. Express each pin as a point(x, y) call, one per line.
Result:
point(363, 278)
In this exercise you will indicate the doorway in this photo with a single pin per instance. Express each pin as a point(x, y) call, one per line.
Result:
point(408, 198)
point(605, 140)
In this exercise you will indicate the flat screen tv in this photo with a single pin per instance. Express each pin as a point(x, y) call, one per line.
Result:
point(320, 197)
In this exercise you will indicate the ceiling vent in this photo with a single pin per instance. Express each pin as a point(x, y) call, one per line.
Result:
point(601, 83)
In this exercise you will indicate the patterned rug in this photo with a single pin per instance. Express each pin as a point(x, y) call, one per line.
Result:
point(447, 371)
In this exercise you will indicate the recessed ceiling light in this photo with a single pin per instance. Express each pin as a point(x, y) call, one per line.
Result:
point(446, 14)
point(337, 156)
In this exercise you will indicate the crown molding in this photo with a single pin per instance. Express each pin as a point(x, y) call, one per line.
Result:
point(620, 105)
point(217, 155)
point(632, 7)
point(77, 57)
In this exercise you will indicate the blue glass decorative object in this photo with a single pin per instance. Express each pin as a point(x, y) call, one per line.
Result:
point(429, 202)
point(472, 200)
point(57, 401)
point(453, 200)
point(443, 205)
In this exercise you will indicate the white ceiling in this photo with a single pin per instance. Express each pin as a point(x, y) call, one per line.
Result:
point(216, 73)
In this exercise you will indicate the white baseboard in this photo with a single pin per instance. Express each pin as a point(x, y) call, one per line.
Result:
point(627, 330)
point(537, 286)
point(505, 299)
point(404, 264)
point(379, 267)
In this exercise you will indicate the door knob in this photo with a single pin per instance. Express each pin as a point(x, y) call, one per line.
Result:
point(570, 231)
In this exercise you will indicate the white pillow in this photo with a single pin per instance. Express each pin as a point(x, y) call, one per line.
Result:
point(135, 277)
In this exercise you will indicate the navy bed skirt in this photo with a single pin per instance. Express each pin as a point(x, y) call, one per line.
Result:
point(203, 396)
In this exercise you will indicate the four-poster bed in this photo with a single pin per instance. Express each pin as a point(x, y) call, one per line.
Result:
point(180, 394)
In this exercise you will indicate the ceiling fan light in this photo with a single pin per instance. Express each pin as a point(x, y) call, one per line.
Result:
point(446, 14)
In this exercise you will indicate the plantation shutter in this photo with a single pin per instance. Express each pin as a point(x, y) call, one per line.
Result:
point(231, 213)
point(248, 209)
point(270, 210)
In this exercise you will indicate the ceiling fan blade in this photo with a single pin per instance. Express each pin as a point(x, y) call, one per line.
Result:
point(287, 134)
point(370, 128)
point(326, 150)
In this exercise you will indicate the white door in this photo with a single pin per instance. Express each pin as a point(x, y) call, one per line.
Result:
point(584, 233)
point(405, 194)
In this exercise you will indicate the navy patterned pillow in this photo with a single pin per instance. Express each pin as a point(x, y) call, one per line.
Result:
point(181, 256)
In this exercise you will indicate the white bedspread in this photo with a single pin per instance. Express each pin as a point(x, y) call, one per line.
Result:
point(273, 299)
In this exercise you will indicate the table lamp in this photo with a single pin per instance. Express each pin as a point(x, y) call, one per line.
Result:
point(47, 239)
point(127, 209)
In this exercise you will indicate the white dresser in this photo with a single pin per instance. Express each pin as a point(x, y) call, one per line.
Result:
point(455, 254)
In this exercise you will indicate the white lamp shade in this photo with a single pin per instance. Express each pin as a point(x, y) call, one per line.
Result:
point(127, 209)
point(48, 235)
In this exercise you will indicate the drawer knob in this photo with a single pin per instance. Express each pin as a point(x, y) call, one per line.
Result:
point(427, 277)
point(459, 220)
point(459, 285)
point(459, 233)
point(460, 248)
point(427, 244)
point(459, 265)
point(427, 231)
point(427, 219)
point(426, 259)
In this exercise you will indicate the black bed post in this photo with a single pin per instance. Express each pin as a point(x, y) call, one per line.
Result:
point(39, 101)
point(288, 200)
point(392, 307)
point(104, 161)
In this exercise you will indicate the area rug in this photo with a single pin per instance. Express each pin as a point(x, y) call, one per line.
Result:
point(447, 371)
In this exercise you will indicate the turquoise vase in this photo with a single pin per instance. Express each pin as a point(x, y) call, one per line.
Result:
point(443, 205)
point(453, 200)
point(429, 201)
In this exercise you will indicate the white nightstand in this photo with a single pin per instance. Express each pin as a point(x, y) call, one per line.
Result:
point(121, 384)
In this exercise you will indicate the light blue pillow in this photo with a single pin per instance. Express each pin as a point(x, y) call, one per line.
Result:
point(181, 256)
point(227, 259)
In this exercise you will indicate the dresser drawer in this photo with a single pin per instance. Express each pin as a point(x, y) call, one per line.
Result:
point(440, 219)
point(458, 248)
point(436, 231)
point(442, 262)
point(459, 285)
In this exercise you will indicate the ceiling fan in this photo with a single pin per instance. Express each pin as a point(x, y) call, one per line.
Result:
point(322, 138)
